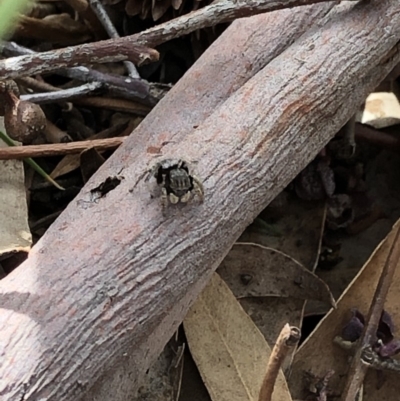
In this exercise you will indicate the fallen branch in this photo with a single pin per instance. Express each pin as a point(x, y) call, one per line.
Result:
point(127, 48)
point(119, 86)
point(98, 52)
point(219, 12)
point(54, 149)
point(106, 286)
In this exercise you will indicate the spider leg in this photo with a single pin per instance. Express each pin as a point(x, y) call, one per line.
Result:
point(151, 173)
point(198, 188)
point(183, 164)
point(185, 198)
point(164, 198)
point(173, 198)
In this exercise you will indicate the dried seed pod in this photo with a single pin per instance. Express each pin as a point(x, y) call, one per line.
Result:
point(22, 120)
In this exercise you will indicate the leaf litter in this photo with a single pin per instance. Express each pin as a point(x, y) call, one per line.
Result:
point(230, 352)
point(319, 353)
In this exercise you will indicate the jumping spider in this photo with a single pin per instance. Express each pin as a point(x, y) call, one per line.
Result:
point(176, 182)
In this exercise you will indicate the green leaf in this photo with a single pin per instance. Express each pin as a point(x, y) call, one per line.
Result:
point(9, 9)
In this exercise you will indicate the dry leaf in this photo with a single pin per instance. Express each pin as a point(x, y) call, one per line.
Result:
point(14, 229)
point(355, 250)
point(230, 352)
point(159, 7)
point(258, 271)
point(133, 7)
point(381, 178)
point(176, 4)
point(297, 227)
point(67, 164)
point(270, 314)
point(90, 162)
point(319, 354)
point(57, 28)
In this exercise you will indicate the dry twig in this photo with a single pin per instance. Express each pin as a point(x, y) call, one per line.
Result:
point(365, 133)
point(62, 95)
point(127, 48)
point(39, 86)
point(105, 20)
point(288, 338)
point(126, 88)
point(121, 105)
point(22, 152)
point(97, 52)
point(358, 369)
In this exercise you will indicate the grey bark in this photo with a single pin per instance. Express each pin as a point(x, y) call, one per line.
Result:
point(110, 281)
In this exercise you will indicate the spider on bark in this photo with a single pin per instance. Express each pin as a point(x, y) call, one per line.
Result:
point(176, 181)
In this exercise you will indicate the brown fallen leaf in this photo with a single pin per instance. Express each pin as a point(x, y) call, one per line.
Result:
point(57, 28)
point(319, 354)
point(294, 227)
point(270, 314)
point(297, 226)
point(90, 161)
point(258, 271)
point(159, 7)
point(230, 352)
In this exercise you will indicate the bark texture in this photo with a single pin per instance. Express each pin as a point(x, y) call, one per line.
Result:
point(106, 286)
point(99, 52)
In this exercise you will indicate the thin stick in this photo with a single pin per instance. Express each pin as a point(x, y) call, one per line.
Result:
point(28, 160)
point(214, 14)
point(127, 48)
point(121, 105)
point(39, 86)
point(54, 149)
point(358, 369)
point(105, 20)
point(98, 52)
point(118, 86)
point(62, 95)
point(376, 137)
point(373, 360)
point(288, 338)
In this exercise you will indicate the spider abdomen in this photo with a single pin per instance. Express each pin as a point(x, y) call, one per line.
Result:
point(179, 182)
point(176, 181)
